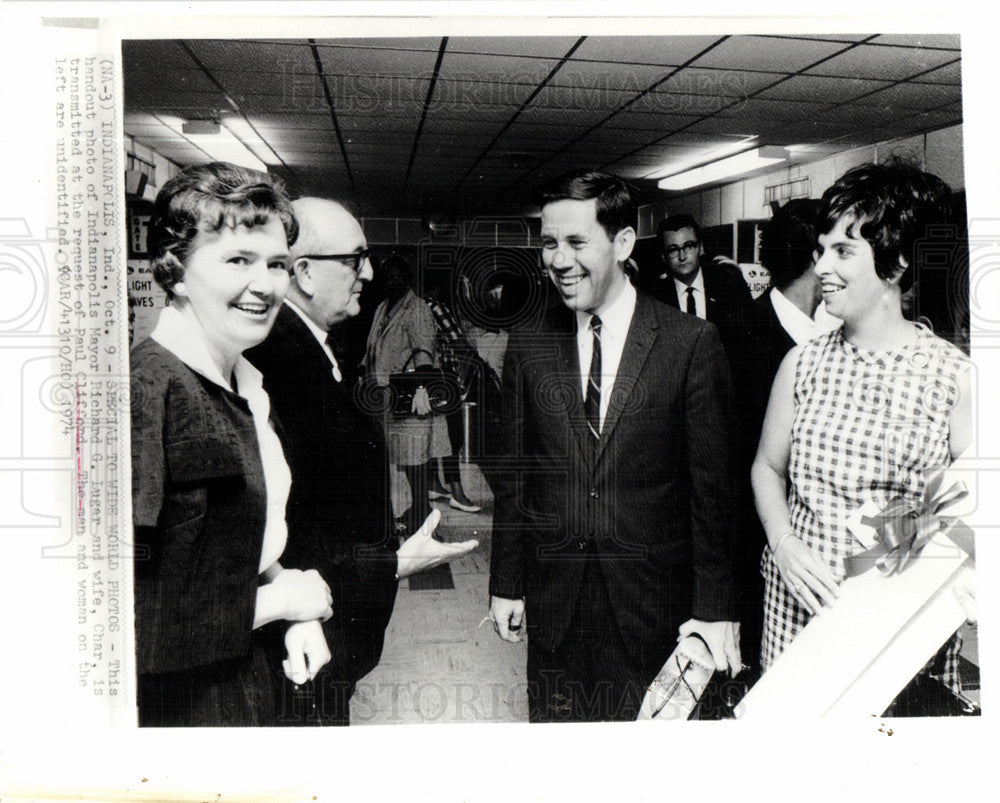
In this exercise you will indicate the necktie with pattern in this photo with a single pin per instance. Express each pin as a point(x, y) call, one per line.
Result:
point(592, 401)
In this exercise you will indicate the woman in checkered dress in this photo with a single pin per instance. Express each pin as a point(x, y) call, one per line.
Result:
point(862, 413)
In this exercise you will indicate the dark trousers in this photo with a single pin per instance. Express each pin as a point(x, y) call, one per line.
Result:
point(238, 692)
point(323, 701)
point(418, 478)
point(456, 436)
point(590, 676)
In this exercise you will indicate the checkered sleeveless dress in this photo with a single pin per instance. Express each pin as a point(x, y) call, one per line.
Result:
point(867, 426)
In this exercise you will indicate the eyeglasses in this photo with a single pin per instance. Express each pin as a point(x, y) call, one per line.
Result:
point(353, 261)
point(673, 251)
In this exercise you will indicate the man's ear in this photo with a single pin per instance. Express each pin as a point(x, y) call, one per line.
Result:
point(624, 243)
point(302, 274)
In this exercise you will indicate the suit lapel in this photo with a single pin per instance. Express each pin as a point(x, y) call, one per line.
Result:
point(306, 343)
point(711, 304)
point(670, 293)
point(565, 370)
point(641, 336)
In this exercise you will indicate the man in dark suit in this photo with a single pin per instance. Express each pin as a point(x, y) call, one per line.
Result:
point(338, 513)
point(714, 291)
point(611, 533)
point(777, 320)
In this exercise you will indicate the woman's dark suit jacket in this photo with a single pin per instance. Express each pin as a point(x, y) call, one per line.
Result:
point(198, 510)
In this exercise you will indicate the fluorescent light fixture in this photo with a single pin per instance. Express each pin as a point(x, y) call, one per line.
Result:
point(204, 127)
point(246, 134)
point(215, 140)
point(704, 156)
point(730, 167)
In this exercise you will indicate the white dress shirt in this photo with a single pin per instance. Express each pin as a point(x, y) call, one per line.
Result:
point(615, 321)
point(800, 327)
point(320, 336)
point(181, 337)
point(700, 308)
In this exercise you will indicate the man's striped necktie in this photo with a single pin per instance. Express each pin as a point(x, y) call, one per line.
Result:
point(592, 401)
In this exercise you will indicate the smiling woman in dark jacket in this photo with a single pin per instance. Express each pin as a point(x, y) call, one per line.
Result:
point(209, 480)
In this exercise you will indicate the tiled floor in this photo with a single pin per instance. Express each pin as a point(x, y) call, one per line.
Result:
point(442, 661)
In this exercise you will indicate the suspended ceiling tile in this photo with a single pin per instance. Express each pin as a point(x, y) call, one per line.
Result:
point(180, 103)
point(316, 120)
point(917, 96)
point(500, 112)
point(140, 118)
point(299, 88)
point(248, 55)
point(932, 40)
point(460, 94)
point(553, 47)
point(885, 63)
point(300, 156)
point(630, 77)
point(344, 59)
point(660, 50)
point(831, 37)
point(719, 82)
point(374, 93)
point(365, 127)
point(663, 120)
point(384, 42)
point(175, 79)
point(767, 53)
point(305, 138)
point(822, 90)
point(148, 56)
point(929, 120)
point(625, 137)
point(562, 97)
point(949, 74)
point(477, 129)
point(765, 110)
point(505, 69)
point(670, 104)
point(561, 117)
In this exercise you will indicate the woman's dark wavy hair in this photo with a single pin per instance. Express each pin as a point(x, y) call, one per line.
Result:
point(616, 205)
point(206, 198)
point(894, 206)
point(788, 241)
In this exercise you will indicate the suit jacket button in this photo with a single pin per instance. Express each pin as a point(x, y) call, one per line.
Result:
point(594, 494)
point(582, 545)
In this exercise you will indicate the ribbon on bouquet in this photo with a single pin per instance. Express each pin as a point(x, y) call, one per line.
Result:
point(903, 528)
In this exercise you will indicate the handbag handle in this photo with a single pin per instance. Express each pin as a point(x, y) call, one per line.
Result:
point(414, 354)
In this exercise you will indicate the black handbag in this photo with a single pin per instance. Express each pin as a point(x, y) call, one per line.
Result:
point(443, 388)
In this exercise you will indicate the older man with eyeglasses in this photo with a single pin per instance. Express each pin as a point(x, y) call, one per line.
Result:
point(338, 512)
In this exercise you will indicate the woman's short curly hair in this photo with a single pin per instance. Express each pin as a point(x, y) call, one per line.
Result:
point(896, 208)
point(206, 198)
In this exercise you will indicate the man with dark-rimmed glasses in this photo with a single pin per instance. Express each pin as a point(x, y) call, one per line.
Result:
point(714, 291)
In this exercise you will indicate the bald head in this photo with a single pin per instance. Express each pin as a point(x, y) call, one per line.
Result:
point(327, 290)
point(321, 224)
